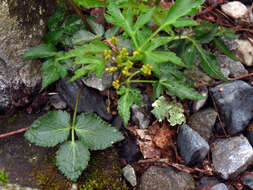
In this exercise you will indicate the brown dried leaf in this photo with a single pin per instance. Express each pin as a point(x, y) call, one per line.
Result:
point(148, 150)
point(164, 137)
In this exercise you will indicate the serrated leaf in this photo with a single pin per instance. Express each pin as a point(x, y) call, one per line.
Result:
point(98, 29)
point(88, 59)
point(173, 111)
point(50, 129)
point(210, 64)
point(143, 19)
point(157, 90)
point(188, 54)
point(164, 56)
point(40, 51)
point(181, 90)
point(82, 36)
point(128, 96)
point(224, 49)
point(52, 71)
point(53, 37)
point(185, 22)
point(72, 24)
point(54, 20)
point(142, 35)
point(157, 42)
point(72, 158)
point(90, 3)
point(96, 133)
point(113, 31)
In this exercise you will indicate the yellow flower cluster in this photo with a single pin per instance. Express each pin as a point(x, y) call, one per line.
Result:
point(107, 54)
point(116, 84)
point(146, 69)
point(136, 53)
point(111, 69)
point(127, 65)
point(114, 40)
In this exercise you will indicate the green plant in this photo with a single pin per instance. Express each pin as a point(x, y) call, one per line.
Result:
point(3, 177)
point(72, 157)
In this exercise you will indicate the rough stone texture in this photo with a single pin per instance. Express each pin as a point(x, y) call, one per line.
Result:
point(57, 102)
point(192, 147)
point(90, 99)
point(231, 68)
point(206, 182)
point(234, 101)
point(245, 52)
point(129, 174)
point(5, 95)
point(235, 9)
point(231, 44)
point(156, 178)
point(231, 156)
point(247, 179)
point(140, 116)
point(203, 122)
point(7, 186)
point(220, 186)
point(197, 104)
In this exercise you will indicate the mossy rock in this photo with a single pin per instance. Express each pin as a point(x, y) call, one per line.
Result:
point(103, 173)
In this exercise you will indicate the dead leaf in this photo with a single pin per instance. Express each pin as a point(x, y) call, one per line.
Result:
point(148, 150)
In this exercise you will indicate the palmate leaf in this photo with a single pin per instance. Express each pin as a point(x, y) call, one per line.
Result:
point(157, 42)
point(98, 29)
point(95, 133)
point(50, 129)
point(128, 96)
point(185, 22)
point(143, 19)
point(40, 51)
point(72, 158)
point(83, 36)
point(113, 31)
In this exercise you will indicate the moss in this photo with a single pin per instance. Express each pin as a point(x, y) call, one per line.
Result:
point(3, 177)
point(103, 173)
point(48, 176)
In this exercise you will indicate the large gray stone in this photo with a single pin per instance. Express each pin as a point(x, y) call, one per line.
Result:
point(156, 178)
point(220, 186)
point(192, 147)
point(235, 9)
point(203, 122)
point(231, 156)
point(234, 101)
point(198, 104)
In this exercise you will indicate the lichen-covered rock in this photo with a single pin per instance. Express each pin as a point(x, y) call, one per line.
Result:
point(234, 102)
point(192, 147)
point(235, 9)
point(231, 156)
point(156, 178)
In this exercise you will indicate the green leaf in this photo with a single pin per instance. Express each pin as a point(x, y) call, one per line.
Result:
point(50, 129)
point(157, 42)
point(72, 24)
point(82, 36)
point(55, 19)
point(173, 111)
point(157, 90)
point(90, 3)
point(113, 31)
point(185, 22)
point(72, 158)
point(181, 90)
point(224, 49)
point(128, 96)
point(53, 37)
point(142, 35)
point(96, 133)
point(98, 29)
point(52, 71)
point(88, 59)
point(115, 17)
point(143, 19)
point(188, 54)
point(210, 64)
point(164, 56)
point(40, 51)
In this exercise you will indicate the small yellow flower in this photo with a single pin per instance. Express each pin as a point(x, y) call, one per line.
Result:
point(135, 53)
point(114, 40)
point(107, 54)
point(116, 84)
point(124, 52)
point(111, 69)
point(146, 69)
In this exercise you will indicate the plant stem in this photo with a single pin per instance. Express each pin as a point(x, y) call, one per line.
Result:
point(74, 116)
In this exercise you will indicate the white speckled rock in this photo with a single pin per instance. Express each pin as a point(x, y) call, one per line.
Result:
point(7, 186)
point(129, 174)
point(231, 156)
point(235, 9)
point(245, 52)
point(220, 186)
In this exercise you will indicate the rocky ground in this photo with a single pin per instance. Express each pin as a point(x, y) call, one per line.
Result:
point(212, 150)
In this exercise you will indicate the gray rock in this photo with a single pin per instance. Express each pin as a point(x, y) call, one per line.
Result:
point(247, 179)
point(203, 122)
point(141, 117)
point(235, 9)
point(156, 178)
point(220, 186)
point(231, 68)
point(90, 99)
point(206, 181)
point(245, 52)
point(57, 102)
point(231, 44)
point(231, 156)
point(5, 95)
point(8, 186)
point(234, 102)
point(192, 147)
point(129, 174)
point(197, 104)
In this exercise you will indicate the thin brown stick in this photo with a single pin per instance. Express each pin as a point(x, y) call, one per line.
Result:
point(241, 77)
point(215, 107)
point(13, 132)
point(79, 12)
